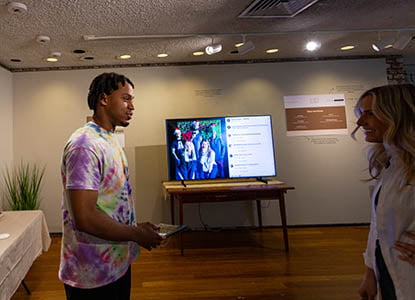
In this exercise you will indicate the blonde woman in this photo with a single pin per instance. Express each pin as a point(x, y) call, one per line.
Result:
point(207, 167)
point(386, 115)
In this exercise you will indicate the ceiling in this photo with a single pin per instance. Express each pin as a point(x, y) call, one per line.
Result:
point(145, 28)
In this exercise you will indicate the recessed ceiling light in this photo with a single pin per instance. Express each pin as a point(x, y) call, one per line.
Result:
point(162, 55)
point(388, 46)
point(270, 51)
point(51, 59)
point(312, 46)
point(42, 39)
point(125, 56)
point(239, 44)
point(15, 60)
point(55, 54)
point(348, 47)
point(87, 58)
point(198, 53)
point(16, 8)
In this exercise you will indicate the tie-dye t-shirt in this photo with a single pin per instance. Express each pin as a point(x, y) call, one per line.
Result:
point(94, 160)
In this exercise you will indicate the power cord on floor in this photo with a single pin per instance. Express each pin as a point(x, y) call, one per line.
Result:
point(205, 226)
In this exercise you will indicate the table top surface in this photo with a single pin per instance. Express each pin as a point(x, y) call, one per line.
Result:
point(28, 236)
point(173, 187)
point(15, 223)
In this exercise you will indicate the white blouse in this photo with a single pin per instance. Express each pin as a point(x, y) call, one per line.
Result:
point(394, 215)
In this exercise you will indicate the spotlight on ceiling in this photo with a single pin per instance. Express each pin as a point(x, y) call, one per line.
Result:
point(51, 59)
point(403, 39)
point(273, 50)
point(246, 47)
point(381, 44)
point(312, 45)
point(347, 47)
point(124, 56)
point(213, 49)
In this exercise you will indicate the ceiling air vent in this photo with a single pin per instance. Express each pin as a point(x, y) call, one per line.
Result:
point(275, 8)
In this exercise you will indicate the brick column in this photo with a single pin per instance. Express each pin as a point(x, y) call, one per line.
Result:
point(395, 71)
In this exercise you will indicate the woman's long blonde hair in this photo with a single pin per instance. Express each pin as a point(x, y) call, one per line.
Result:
point(395, 106)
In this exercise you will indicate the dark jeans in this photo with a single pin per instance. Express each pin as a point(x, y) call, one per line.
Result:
point(387, 288)
point(118, 290)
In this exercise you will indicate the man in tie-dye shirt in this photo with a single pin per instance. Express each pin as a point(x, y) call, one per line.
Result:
point(100, 235)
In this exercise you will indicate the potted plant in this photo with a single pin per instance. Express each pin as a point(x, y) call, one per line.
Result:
point(22, 186)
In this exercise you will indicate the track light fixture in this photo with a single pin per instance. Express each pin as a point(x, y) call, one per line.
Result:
point(380, 45)
point(213, 48)
point(246, 46)
point(403, 39)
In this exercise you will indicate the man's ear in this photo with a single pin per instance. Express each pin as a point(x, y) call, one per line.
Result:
point(103, 99)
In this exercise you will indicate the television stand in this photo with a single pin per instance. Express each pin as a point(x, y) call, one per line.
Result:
point(226, 192)
point(262, 180)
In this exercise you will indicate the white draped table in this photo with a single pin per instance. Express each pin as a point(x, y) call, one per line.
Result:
point(29, 236)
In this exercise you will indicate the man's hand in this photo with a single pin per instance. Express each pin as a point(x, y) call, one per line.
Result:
point(368, 287)
point(89, 219)
point(147, 236)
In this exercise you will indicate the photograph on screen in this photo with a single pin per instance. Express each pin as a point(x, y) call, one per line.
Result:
point(220, 147)
point(197, 149)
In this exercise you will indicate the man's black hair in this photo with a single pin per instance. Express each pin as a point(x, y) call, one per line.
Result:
point(105, 84)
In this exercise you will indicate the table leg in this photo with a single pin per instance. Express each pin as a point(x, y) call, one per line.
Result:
point(181, 223)
point(258, 206)
point(172, 209)
point(26, 288)
point(283, 220)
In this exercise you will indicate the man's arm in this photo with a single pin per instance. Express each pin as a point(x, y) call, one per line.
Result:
point(89, 219)
point(173, 151)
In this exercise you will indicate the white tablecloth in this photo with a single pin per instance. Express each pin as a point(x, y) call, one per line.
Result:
point(29, 236)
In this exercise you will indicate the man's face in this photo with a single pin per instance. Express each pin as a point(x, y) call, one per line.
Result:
point(120, 105)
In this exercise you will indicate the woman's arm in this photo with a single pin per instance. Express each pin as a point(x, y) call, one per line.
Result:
point(211, 160)
point(368, 287)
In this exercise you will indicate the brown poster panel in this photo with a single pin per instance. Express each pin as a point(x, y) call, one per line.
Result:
point(316, 118)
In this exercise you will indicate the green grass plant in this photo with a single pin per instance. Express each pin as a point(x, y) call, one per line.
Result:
point(22, 186)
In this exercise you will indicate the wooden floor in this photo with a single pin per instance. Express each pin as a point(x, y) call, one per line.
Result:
point(323, 263)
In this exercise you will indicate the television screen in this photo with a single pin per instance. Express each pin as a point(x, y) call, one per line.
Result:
point(220, 147)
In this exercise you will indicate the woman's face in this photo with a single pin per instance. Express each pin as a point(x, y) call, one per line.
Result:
point(205, 146)
point(373, 128)
point(178, 134)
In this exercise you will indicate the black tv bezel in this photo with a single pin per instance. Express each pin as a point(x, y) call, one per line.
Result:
point(169, 162)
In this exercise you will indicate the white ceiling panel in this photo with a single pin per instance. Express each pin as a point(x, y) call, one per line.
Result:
point(146, 28)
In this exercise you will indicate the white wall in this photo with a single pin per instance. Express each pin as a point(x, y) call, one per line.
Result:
point(6, 124)
point(326, 171)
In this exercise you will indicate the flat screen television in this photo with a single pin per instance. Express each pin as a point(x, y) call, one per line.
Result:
point(220, 147)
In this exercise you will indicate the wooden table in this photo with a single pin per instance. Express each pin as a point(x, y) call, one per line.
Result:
point(228, 191)
point(29, 236)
